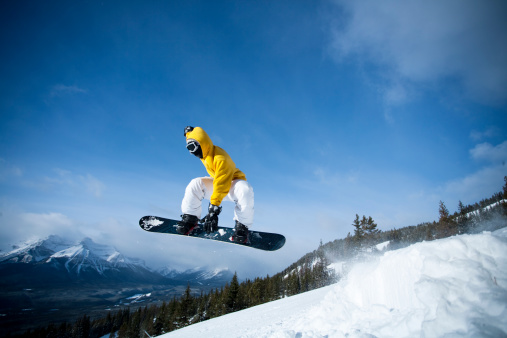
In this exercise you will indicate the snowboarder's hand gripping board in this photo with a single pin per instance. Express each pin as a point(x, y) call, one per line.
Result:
point(256, 239)
point(211, 220)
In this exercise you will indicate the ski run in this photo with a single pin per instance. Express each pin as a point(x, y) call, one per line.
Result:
point(452, 287)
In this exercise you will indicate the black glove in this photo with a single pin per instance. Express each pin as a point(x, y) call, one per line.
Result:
point(211, 219)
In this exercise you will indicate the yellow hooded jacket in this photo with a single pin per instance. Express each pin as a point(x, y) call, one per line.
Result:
point(218, 164)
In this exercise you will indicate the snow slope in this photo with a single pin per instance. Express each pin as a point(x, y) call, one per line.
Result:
point(455, 286)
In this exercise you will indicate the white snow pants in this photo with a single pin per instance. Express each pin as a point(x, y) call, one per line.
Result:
point(241, 193)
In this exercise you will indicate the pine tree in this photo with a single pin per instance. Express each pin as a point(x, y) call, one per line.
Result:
point(320, 272)
point(462, 219)
point(233, 302)
point(211, 311)
point(174, 314)
point(358, 230)
point(369, 229)
point(429, 235)
point(306, 278)
point(158, 326)
point(65, 330)
point(202, 307)
point(394, 239)
point(446, 225)
point(443, 212)
point(82, 328)
point(134, 328)
point(294, 284)
point(186, 304)
point(349, 247)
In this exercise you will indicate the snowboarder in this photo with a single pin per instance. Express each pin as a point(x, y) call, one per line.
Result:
point(226, 183)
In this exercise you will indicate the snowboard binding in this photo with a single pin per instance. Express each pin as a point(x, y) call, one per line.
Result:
point(240, 233)
point(187, 224)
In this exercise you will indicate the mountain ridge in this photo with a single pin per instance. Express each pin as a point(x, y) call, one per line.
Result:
point(86, 259)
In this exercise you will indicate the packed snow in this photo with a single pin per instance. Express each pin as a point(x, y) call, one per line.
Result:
point(450, 287)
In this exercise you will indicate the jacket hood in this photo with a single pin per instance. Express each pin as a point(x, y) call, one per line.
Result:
point(202, 137)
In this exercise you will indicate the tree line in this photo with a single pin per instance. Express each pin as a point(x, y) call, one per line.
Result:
point(190, 308)
point(488, 214)
point(308, 273)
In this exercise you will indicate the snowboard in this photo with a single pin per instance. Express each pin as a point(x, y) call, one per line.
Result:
point(256, 239)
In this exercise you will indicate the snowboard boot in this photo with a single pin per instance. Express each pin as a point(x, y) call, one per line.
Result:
point(187, 224)
point(240, 233)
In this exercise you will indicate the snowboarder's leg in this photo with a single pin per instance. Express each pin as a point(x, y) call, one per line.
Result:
point(196, 191)
point(243, 195)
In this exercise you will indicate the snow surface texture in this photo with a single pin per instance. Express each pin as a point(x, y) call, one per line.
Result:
point(450, 287)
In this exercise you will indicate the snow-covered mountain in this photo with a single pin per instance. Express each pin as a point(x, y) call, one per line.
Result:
point(199, 276)
point(76, 257)
point(455, 287)
point(35, 251)
point(97, 257)
point(55, 261)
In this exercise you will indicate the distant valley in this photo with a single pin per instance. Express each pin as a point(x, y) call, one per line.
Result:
point(57, 278)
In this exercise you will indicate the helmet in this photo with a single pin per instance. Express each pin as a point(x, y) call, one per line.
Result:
point(187, 130)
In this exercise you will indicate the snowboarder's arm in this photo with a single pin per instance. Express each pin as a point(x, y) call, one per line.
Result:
point(224, 172)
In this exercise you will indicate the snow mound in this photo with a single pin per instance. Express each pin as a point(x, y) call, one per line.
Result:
point(455, 286)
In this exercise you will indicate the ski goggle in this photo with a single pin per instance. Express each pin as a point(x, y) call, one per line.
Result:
point(194, 147)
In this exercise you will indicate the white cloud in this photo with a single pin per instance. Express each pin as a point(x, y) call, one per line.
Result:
point(486, 151)
point(21, 226)
point(482, 183)
point(475, 187)
point(47, 221)
point(424, 42)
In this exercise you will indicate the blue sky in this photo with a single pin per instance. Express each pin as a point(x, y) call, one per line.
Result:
point(331, 108)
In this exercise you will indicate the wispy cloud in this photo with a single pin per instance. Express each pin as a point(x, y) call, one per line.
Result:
point(62, 90)
point(476, 186)
point(86, 182)
point(486, 151)
point(92, 185)
point(18, 226)
point(483, 182)
point(485, 134)
point(8, 170)
point(48, 222)
point(420, 43)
